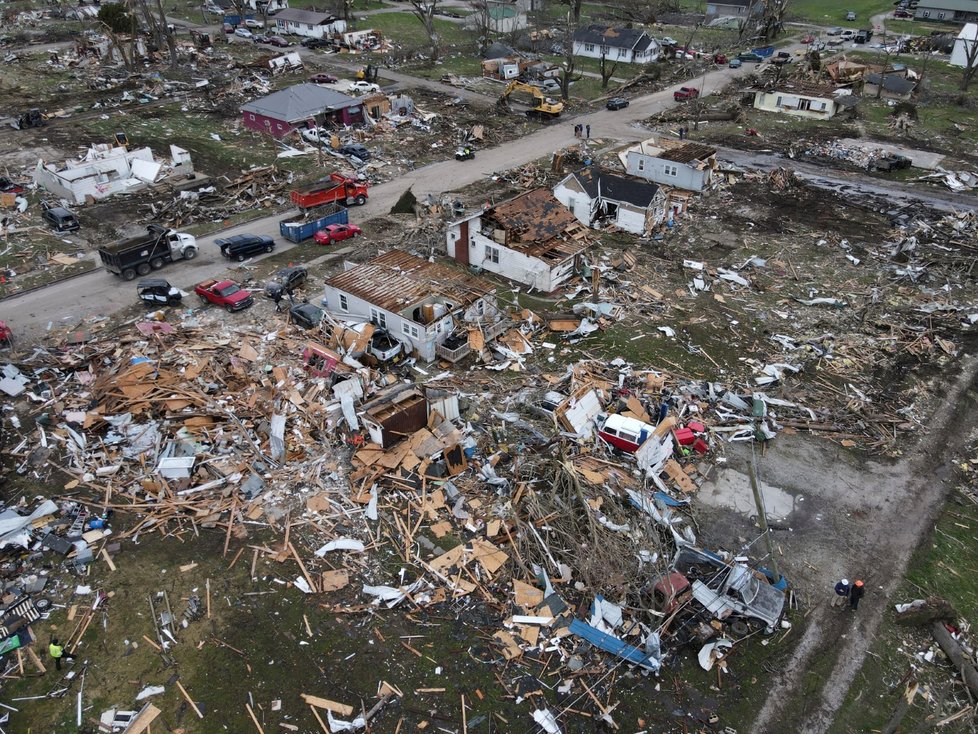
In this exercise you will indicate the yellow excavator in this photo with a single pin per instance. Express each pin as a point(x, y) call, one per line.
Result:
point(540, 106)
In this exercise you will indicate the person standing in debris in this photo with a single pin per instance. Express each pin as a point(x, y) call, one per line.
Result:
point(278, 300)
point(855, 594)
point(588, 128)
point(682, 133)
point(841, 593)
point(56, 651)
point(577, 131)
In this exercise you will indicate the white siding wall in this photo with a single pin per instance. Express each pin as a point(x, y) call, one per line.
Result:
point(357, 308)
point(631, 219)
point(512, 264)
point(569, 193)
point(660, 171)
point(788, 104)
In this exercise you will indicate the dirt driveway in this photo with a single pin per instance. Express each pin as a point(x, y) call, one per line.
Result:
point(835, 515)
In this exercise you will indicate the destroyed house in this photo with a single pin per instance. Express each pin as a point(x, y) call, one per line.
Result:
point(421, 303)
point(894, 86)
point(531, 239)
point(309, 23)
point(106, 170)
point(391, 416)
point(630, 204)
point(802, 99)
point(300, 106)
point(733, 9)
point(677, 164)
point(625, 45)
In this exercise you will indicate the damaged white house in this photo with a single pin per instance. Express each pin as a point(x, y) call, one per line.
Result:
point(595, 196)
point(418, 302)
point(106, 170)
point(531, 239)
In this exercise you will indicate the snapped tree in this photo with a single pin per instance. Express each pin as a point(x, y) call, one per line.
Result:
point(970, 61)
point(424, 10)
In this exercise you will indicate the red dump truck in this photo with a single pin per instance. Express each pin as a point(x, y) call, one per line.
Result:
point(336, 188)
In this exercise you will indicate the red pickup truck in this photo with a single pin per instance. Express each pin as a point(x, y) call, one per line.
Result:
point(225, 293)
point(685, 93)
point(336, 188)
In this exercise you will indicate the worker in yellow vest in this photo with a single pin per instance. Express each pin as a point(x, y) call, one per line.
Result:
point(56, 651)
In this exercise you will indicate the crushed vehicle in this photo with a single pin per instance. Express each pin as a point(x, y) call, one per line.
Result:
point(624, 433)
point(741, 592)
point(355, 149)
point(892, 162)
point(306, 315)
point(224, 293)
point(151, 251)
point(286, 281)
point(305, 226)
point(385, 347)
point(158, 292)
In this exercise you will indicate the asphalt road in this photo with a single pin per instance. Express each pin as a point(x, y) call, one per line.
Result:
point(100, 293)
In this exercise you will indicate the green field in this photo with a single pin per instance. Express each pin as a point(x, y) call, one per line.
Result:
point(405, 30)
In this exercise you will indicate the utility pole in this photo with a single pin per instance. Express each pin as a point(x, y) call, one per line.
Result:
point(762, 520)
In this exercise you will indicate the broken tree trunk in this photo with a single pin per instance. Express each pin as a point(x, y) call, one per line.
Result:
point(957, 656)
point(933, 609)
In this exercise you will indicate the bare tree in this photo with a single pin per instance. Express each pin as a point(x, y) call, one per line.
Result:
point(772, 19)
point(885, 51)
point(606, 73)
point(482, 23)
point(424, 10)
point(970, 61)
point(644, 11)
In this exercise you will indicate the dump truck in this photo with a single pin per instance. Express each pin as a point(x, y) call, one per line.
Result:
point(541, 106)
point(151, 251)
point(336, 188)
point(303, 226)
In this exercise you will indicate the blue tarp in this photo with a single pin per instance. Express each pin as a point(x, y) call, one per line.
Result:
point(610, 643)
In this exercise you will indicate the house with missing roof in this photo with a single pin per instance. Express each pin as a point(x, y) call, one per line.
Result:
point(309, 23)
point(300, 106)
point(894, 86)
point(532, 239)
point(421, 303)
point(595, 196)
point(625, 45)
point(802, 99)
point(673, 163)
point(733, 9)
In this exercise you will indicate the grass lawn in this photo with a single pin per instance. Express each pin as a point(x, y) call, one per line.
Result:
point(942, 567)
point(460, 64)
point(917, 28)
point(833, 12)
point(406, 30)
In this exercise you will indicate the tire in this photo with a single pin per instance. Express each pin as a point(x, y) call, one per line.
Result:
point(203, 299)
point(740, 628)
point(269, 248)
point(128, 274)
point(240, 258)
point(360, 200)
point(229, 309)
point(156, 263)
point(143, 268)
point(190, 253)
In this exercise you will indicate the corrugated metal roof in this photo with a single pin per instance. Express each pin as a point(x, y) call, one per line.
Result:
point(398, 280)
point(299, 102)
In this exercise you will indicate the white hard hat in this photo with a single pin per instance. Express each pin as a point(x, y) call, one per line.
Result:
point(845, 582)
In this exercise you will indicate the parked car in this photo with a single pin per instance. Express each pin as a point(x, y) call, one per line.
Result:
point(902, 14)
point(315, 43)
point(616, 103)
point(685, 93)
point(228, 28)
point(252, 23)
point(720, 59)
point(286, 281)
point(323, 79)
point(158, 292)
point(260, 38)
point(851, 15)
point(336, 233)
point(60, 219)
point(243, 33)
point(242, 246)
point(818, 46)
point(278, 41)
point(9, 187)
point(360, 87)
point(668, 41)
point(315, 135)
point(306, 316)
point(225, 293)
point(848, 33)
point(892, 162)
point(548, 85)
point(355, 149)
point(807, 38)
point(833, 31)
point(735, 63)
point(783, 57)
point(750, 56)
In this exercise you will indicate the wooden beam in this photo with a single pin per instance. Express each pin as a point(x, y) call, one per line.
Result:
point(189, 700)
point(324, 703)
point(254, 718)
